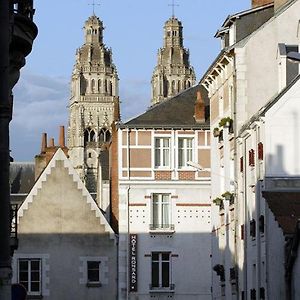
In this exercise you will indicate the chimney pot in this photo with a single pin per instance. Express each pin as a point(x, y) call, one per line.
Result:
point(199, 109)
point(62, 136)
point(51, 142)
point(44, 142)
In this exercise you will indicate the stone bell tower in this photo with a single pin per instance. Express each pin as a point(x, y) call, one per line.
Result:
point(173, 72)
point(93, 104)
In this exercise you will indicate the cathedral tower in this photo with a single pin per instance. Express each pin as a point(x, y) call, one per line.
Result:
point(173, 72)
point(93, 105)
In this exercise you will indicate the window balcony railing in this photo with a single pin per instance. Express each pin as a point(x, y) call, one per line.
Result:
point(13, 227)
point(24, 7)
point(162, 289)
point(161, 227)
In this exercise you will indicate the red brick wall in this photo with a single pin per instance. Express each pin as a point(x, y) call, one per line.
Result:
point(186, 175)
point(163, 175)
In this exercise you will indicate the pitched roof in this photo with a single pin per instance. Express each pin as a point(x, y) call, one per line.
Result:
point(59, 156)
point(22, 178)
point(175, 112)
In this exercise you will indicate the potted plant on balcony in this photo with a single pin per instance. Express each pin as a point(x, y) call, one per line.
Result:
point(225, 122)
point(229, 197)
point(216, 132)
point(218, 201)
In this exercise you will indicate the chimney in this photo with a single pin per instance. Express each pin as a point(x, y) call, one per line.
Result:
point(257, 3)
point(62, 137)
point(44, 142)
point(51, 142)
point(199, 109)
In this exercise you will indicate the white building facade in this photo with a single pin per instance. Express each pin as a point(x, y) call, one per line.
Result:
point(164, 205)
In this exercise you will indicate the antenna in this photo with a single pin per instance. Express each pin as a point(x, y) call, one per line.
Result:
point(173, 7)
point(94, 4)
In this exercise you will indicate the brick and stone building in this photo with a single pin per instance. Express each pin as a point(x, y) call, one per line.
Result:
point(173, 72)
point(164, 205)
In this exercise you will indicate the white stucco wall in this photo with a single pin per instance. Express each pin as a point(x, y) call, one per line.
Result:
point(282, 135)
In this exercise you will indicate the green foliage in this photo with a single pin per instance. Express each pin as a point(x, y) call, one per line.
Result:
point(225, 122)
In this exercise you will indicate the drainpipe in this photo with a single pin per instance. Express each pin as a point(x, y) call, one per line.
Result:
point(5, 117)
point(236, 170)
point(128, 194)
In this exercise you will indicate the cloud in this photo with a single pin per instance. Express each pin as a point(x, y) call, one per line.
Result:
point(39, 106)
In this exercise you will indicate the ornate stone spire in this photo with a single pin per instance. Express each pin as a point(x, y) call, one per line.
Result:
point(173, 72)
point(94, 91)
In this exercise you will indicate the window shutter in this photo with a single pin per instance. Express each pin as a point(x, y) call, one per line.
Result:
point(241, 164)
point(251, 158)
point(242, 232)
point(260, 149)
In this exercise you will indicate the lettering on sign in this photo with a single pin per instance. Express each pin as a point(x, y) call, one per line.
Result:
point(133, 263)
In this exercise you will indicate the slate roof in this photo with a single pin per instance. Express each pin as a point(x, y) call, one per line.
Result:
point(285, 206)
point(22, 179)
point(176, 112)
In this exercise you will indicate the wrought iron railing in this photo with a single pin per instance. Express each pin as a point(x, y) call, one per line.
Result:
point(155, 287)
point(13, 227)
point(161, 227)
point(24, 7)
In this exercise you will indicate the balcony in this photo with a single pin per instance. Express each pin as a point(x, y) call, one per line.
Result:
point(162, 228)
point(161, 289)
point(23, 34)
point(13, 228)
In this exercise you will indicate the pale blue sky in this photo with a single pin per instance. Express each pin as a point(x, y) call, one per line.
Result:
point(134, 31)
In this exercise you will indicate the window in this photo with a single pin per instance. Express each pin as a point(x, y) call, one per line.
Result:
point(29, 275)
point(93, 272)
point(251, 158)
point(161, 212)
point(253, 228)
point(185, 151)
point(161, 270)
point(162, 152)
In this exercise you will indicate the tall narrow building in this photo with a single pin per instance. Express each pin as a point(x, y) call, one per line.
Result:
point(173, 72)
point(93, 105)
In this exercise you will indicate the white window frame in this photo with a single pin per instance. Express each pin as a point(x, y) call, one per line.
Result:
point(162, 164)
point(160, 268)
point(161, 224)
point(185, 150)
point(29, 261)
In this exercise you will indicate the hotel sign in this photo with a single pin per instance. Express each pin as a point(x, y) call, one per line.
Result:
point(133, 263)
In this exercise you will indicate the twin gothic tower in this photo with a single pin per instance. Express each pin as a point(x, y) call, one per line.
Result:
point(94, 102)
point(93, 105)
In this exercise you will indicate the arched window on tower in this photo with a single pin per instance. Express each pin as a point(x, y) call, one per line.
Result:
point(178, 86)
point(188, 83)
point(111, 88)
point(104, 135)
point(93, 86)
point(105, 86)
point(89, 135)
point(165, 88)
point(99, 85)
point(173, 86)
